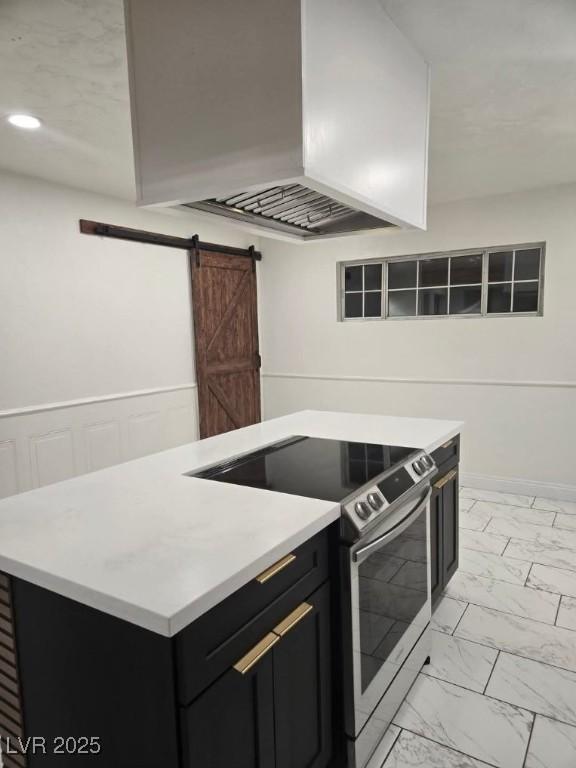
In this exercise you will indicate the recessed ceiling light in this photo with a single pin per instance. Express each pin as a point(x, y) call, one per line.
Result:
point(24, 121)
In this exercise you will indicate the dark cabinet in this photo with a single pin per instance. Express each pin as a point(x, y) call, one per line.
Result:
point(232, 722)
point(444, 520)
point(444, 540)
point(302, 689)
point(272, 708)
point(450, 526)
point(435, 532)
point(247, 685)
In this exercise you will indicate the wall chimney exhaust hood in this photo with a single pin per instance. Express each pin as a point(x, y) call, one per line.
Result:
point(300, 118)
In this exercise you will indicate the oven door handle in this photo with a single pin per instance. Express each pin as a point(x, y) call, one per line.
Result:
point(363, 552)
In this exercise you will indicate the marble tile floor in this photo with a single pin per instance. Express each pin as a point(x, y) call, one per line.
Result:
point(500, 691)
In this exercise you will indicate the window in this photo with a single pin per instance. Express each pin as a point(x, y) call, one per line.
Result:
point(481, 283)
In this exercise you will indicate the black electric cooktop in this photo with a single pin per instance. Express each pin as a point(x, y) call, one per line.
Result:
point(309, 466)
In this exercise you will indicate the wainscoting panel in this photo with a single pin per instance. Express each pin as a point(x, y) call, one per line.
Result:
point(45, 444)
point(52, 457)
point(103, 448)
point(8, 470)
point(143, 434)
point(180, 425)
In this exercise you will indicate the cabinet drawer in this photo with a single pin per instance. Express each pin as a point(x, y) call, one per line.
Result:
point(210, 645)
point(447, 452)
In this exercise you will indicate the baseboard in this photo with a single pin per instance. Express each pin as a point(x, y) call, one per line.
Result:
point(519, 486)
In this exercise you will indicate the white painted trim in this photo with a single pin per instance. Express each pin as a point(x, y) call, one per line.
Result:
point(91, 400)
point(519, 486)
point(452, 382)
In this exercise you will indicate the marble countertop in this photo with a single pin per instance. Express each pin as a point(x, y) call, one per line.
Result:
point(143, 542)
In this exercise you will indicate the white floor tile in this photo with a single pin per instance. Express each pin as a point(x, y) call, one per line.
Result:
point(486, 729)
point(556, 556)
point(473, 520)
point(512, 598)
point(464, 504)
point(535, 686)
point(500, 498)
point(550, 579)
point(493, 566)
point(565, 521)
point(446, 614)
point(524, 637)
point(412, 751)
point(552, 745)
point(567, 614)
point(556, 506)
point(483, 542)
point(460, 661)
point(529, 532)
point(520, 515)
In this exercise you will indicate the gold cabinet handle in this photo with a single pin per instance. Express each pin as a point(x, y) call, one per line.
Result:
point(446, 479)
point(275, 568)
point(261, 648)
point(246, 663)
point(292, 619)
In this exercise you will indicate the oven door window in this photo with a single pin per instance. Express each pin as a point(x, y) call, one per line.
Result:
point(392, 590)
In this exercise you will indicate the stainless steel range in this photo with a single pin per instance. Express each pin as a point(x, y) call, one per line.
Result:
point(386, 600)
point(384, 492)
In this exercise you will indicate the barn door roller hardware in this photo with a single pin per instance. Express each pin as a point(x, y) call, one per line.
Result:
point(141, 236)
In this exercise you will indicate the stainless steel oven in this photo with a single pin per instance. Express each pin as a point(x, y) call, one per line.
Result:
point(386, 617)
point(383, 491)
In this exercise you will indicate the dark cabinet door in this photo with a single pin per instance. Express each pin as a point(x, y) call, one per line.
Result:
point(435, 543)
point(232, 722)
point(450, 537)
point(444, 536)
point(302, 686)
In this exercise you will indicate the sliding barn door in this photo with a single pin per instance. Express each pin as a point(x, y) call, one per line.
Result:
point(226, 335)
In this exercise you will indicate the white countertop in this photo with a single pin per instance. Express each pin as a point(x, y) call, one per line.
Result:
point(145, 543)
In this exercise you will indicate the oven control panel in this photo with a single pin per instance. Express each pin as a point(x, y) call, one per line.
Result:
point(376, 499)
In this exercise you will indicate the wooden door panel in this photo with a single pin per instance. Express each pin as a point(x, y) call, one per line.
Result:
point(226, 335)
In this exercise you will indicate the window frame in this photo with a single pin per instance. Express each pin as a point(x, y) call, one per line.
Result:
point(484, 252)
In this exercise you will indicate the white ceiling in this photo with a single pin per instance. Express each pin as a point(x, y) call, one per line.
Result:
point(65, 62)
point(503, 114)
point(503, 98)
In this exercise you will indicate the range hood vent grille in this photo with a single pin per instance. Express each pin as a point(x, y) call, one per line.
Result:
point(293, 209)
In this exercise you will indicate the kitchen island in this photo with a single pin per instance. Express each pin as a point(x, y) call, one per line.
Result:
point(131, 590)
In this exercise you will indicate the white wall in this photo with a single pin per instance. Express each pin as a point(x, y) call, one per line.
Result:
point(103, 322)
point(513, 380)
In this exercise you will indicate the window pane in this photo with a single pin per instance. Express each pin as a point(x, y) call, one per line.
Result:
point(526, 297)
point(402, 274)
point(353, 279)
point(433, 301)
point(373, 304)
point(500, 267)
point(499, 297)
point(434, 272)
point(466, 269)
point(353, 305)
point(527, 265)
point(401, 303)
point(373, 277)
point(465, 301)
